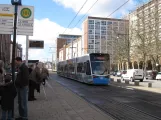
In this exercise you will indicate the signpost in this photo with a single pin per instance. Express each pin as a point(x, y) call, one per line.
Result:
point(6, 19)
point(25, 20)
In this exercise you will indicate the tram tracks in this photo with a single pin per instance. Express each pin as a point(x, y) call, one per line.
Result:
point(119, 110)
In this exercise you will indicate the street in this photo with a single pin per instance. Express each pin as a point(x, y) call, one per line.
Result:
point(120, 103)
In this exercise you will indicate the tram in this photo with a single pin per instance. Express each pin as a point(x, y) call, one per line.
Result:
point(93, 68)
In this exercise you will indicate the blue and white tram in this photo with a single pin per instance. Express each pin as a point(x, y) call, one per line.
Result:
point(93, 68)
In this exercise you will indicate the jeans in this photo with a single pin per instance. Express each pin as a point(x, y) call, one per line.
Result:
point(22, 101)
point(4, 115)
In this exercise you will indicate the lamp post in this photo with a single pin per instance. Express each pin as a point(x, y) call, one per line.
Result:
point(16, 3)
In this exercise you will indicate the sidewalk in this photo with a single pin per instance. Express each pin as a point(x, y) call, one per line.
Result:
point(58, 103)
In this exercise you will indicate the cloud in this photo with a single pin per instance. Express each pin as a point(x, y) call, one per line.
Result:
point(102, 8)
point(48, 31)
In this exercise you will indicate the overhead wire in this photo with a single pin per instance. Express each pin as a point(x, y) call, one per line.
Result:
point(84, 15)
point(75, 16)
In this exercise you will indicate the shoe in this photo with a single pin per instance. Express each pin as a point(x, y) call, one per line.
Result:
point(19, 118)
point(31, 99)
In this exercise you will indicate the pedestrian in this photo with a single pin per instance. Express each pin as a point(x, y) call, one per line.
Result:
point(21, 82)
point(35, 80)
point(32, 84)
point(7, 98)
point(44, 73)
point(2, 73)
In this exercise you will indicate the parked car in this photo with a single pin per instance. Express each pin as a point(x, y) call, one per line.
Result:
point(133, 74)
point(158, 77)
point(119, 73)
point(151, 74)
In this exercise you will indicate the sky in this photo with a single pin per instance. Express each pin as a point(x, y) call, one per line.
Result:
point(52, 17)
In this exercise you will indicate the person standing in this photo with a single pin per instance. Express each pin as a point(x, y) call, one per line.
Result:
point(44, 73)
point(21, 82)
point(7, 99)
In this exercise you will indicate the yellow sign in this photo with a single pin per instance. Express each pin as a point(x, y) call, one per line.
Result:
point(6, 15)
point(26, 13)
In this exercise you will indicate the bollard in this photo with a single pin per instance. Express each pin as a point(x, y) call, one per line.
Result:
point(127, 81)
point(112, 79)
point(119, 80)
point(149, 84)
point(137, 83)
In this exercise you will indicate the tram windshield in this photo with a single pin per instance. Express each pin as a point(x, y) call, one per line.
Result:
point(100, 63)
point(99, 68)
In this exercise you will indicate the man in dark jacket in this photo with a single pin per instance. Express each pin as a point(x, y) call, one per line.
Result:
point(21, 82)
point(7, 100)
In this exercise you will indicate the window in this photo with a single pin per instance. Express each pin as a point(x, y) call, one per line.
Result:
point(103, 32)
point(103, 37)
point(97, 26)
point(103, 22)
point(97, 31)
point(97, 36)
point(109, 23)
point(97, 23)
point(91, 26)
point(91, 42)
point(91, 36)
point(79, 67)
point(91, 21)
point(71, 68)
point(91, 31)
point(103, 28)
point(115, 23)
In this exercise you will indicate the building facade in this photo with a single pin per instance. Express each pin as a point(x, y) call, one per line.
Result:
point(145, 34)
point(100, 35)
point(69, 38)
point(71, 50)
point(62, 41)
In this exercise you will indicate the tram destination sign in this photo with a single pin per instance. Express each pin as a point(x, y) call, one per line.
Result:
point(6, 19)
point(25, 20)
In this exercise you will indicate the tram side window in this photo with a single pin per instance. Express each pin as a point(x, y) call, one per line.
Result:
point(65, 68)
point(88, 70)
point(79, 67)
point(71, 68)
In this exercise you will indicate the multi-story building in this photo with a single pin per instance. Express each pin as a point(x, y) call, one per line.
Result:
point(64, 39)
point(71, 50)
point(145, 32)
point(100, 34)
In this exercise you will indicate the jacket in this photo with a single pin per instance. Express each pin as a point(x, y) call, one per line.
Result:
point(44, 73)
point(22, 78)
point(36, 75)
point(8, 95)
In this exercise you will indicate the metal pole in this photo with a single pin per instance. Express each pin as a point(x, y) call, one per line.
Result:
point(13, 48)
point(27, 48)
